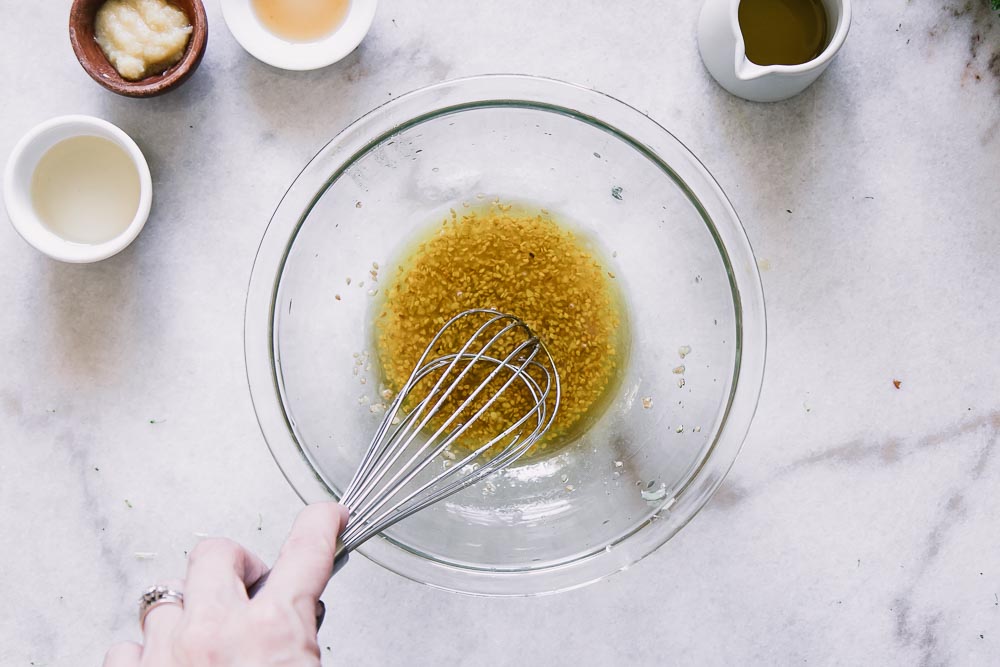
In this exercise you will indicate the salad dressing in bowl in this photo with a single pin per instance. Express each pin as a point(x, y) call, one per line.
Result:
point(517, 260)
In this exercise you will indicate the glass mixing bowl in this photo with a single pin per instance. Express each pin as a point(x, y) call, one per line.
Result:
point(655, 456)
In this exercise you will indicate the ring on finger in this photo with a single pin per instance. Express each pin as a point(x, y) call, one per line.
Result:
point(153, 597)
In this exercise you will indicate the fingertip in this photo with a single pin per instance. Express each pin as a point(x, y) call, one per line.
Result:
point(345, 516)
point(305, 563)
point(220, 569)
point(325, 514)
point(123, 654)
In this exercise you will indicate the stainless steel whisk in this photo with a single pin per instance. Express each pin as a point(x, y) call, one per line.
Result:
point(389, 485)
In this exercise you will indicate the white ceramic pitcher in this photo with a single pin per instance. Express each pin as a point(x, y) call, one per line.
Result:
point(724, 53)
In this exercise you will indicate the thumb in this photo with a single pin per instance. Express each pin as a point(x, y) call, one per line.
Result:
point(305, 563)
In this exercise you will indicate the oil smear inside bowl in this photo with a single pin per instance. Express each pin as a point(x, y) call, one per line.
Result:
point(86, 189)
point(523, 262)
point(141, 38)
point(301, 20)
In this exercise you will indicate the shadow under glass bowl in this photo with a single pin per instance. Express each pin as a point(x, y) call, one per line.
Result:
point(663, 446)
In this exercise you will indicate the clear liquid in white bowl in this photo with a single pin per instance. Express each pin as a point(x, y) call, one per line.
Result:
point(86, 190)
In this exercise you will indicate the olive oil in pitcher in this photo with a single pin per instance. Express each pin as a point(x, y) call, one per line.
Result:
point(783, 32)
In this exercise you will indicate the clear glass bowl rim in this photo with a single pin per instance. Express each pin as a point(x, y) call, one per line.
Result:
point(586, 105)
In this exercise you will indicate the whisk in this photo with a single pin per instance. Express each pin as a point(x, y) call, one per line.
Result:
point(392, 481)
point(385, 488)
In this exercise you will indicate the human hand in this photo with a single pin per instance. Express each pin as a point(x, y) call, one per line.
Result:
point(218, 625)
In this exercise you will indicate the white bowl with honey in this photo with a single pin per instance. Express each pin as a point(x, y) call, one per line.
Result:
point(299, 34)
point(564, 207)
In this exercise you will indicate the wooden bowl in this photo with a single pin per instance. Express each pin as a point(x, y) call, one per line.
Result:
point(93, 60)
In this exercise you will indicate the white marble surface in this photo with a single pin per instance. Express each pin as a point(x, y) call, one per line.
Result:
point(860, 524)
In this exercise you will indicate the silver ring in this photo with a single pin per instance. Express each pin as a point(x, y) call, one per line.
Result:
point(153, 597)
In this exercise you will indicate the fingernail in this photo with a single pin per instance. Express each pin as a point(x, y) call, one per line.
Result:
point(320, 614)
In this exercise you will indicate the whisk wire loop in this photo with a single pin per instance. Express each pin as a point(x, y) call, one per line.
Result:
point(414, 434)
point(379, 463)
point(397, 511)
point(415, 464)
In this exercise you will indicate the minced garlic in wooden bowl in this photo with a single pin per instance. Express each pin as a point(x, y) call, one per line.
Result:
point(141, 38)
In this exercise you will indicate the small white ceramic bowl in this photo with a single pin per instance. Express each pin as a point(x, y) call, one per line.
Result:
point(21, 167)
point(273, 50)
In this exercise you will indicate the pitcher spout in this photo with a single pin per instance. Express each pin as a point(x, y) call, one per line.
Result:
point(747, 70)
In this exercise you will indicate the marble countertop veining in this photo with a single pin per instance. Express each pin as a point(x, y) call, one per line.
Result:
point(860, 523)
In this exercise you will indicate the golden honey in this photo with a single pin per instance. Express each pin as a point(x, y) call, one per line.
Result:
point(302, 20)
